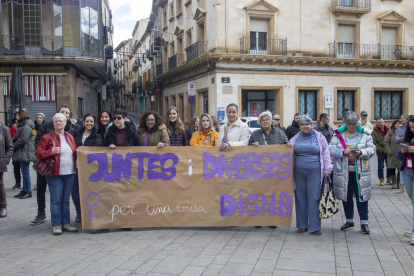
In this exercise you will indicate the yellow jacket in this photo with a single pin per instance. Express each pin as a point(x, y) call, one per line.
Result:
point(198, 138)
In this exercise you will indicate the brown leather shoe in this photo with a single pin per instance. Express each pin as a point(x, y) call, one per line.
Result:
point(3, 213)
point(317, 233)
point(301, 230)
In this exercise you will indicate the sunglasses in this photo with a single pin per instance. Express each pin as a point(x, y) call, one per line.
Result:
point(277, 119)
point(119, 118)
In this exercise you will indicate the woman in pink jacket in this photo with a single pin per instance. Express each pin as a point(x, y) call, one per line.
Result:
point(312, 163)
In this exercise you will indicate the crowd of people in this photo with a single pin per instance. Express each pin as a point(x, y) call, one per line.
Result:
point(320, 153)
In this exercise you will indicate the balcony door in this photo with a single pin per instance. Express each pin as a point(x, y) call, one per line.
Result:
point(389, 50)
point(346, 3)
point(346, 41)
point(259, 37)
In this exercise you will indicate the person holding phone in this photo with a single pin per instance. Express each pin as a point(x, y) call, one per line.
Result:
point(406, 155)
point(352, 147)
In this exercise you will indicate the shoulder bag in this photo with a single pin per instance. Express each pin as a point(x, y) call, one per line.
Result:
point(45, 166)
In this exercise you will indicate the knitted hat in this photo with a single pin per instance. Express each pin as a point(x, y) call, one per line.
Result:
point(41, 114)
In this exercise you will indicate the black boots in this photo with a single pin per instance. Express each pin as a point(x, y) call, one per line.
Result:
point(26, 195)
point(22, 192)
point(17, 186)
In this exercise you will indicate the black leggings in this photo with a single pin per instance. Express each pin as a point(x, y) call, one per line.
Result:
point(41, 191)
point(16, 171)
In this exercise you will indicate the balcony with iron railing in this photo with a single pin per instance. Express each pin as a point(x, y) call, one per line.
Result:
point(263, 46)
point(158, 69)
point(371, 51)
point(358, 7)
point(196, 50)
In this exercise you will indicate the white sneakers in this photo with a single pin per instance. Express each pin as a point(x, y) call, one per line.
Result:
point(57, 230)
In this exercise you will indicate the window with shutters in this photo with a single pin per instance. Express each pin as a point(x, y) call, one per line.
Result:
point(388, 104)
point(344, 99)
point(307, 103)
point(346, 44)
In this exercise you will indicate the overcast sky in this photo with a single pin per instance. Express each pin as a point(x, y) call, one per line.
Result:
point(125, 14)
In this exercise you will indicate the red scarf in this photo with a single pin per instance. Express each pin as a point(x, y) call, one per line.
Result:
point(384, 132)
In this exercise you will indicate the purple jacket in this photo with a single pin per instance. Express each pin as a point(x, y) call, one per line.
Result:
point(402, 157)
point(325, 156)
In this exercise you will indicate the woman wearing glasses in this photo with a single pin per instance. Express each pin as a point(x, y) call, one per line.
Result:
point(152, 130)
point(352, 147)
point(312, 162)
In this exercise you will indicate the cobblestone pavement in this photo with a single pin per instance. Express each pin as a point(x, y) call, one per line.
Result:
point(33, 250)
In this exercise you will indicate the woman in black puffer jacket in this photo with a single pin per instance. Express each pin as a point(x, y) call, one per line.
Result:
point(89, 136)
point(175, 127)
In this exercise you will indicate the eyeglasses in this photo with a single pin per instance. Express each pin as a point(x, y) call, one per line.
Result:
point(119, 118)
point(150, 120)
point(305, 125)
point(277, 119)
point(349, 124)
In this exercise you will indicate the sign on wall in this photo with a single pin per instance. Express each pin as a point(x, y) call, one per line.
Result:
point(192, 87)
point(329, 100)
point(185, 186)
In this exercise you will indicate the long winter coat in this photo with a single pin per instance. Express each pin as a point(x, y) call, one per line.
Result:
point(275, 137)
point(132, 138)
point(44, 149)
point(177, 140)
point(392, 148)
point(93, 140)
point(6, 148)
point(199, 138)
point(24, 142)
point(237, 134)
point(324, 157)
point(340, 165)
point(158, 134)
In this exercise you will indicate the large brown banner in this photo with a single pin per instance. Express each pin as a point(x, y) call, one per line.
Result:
point(130, 187)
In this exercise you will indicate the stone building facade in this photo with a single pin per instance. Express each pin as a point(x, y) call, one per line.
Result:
point(286, 56)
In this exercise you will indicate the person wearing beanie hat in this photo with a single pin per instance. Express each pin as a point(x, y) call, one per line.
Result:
point(40, 119)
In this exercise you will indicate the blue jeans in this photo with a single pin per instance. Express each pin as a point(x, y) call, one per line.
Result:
point(409, 185)
point(307, 193)
point(382, 159)
point(60, 187)
point(75, 194)
point(349, 204)
point(27, 183)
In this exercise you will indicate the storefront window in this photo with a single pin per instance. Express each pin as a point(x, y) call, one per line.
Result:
point(255, 102)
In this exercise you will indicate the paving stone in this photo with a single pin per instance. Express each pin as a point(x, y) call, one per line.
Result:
point(212, 270)
point(237, 269)
point(265, 266)
point(173, 264)
point(193, 271)
point(305, 265)
point(365, 263)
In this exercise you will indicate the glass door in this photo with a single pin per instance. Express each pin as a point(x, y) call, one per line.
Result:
point(258, 43)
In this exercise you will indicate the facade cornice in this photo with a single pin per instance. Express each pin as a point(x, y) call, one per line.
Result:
point(287, 60)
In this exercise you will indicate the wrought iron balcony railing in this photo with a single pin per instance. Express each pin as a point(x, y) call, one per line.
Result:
point(172, 62)
point(12, 44)
point(196, 50)
point(371, 51)
point(259, 46)
point(52, 45)
point(352, 4)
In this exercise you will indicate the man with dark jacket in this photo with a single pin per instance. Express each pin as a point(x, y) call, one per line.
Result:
point(293, 129)
point(276, 124)
point(324, 128)
point(121, 133)
point(378, 134)
point(41, 183)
